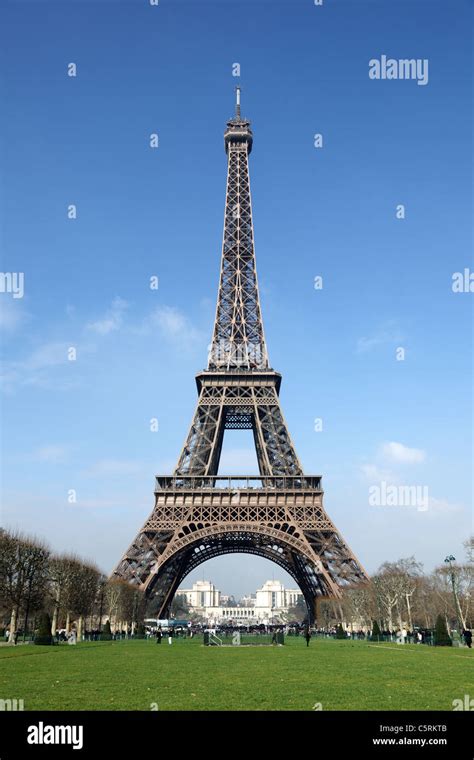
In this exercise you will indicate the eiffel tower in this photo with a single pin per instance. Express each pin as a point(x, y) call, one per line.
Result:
point(199, 514)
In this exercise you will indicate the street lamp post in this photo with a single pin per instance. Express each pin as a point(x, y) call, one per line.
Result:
point(449, 561)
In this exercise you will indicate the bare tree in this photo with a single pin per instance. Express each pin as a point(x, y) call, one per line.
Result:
point(83, 592)
point(469, 547)
point(179, 606)
point(409, 573)
point(298, 612)
point(328, 613)
point(128, 605)
point(23, 576)
point(359, 606)
point(62, 571)
point(425, 605)
point(467, 582)
point(112, 599)
point(388, 590)
point(100, 601)
point(8, 569)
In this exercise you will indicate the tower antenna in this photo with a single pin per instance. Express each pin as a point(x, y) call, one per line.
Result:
point(237, 101)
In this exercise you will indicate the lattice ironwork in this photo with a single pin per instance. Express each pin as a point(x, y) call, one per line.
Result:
point(199, 514)
point(221, 405)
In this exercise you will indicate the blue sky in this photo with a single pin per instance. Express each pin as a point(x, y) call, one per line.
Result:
point(84, 424)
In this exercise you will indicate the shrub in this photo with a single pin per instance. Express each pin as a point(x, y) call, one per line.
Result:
point(106, 633)
point(441, 636)
point(340, 632)
point(140, 631)
point(43, 634)
point(376, 632)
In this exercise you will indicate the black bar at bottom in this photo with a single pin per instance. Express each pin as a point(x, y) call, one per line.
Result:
point(111, 734)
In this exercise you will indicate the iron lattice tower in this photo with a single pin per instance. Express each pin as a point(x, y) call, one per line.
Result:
point(278, 515)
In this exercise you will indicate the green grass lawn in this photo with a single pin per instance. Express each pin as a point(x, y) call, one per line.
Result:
point(131, 675)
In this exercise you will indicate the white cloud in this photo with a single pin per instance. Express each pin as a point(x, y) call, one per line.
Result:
point(12, 314)
point(372, 473)
point(388, 333)
point(390, 455)
point(397, 452)
point(40, 367)
point(112, 320)
point(34, 370)
point(174, 326)
point(48, 355)
point(52, 453)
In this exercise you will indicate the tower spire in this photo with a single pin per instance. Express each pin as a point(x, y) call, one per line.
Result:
point(238, 338)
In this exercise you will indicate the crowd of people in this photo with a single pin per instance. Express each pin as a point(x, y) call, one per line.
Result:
point(401, 636)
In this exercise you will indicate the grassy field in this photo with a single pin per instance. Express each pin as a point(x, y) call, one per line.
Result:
point(132, 675)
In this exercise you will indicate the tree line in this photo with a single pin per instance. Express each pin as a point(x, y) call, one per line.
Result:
point(73, 592)
point(400, 595)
